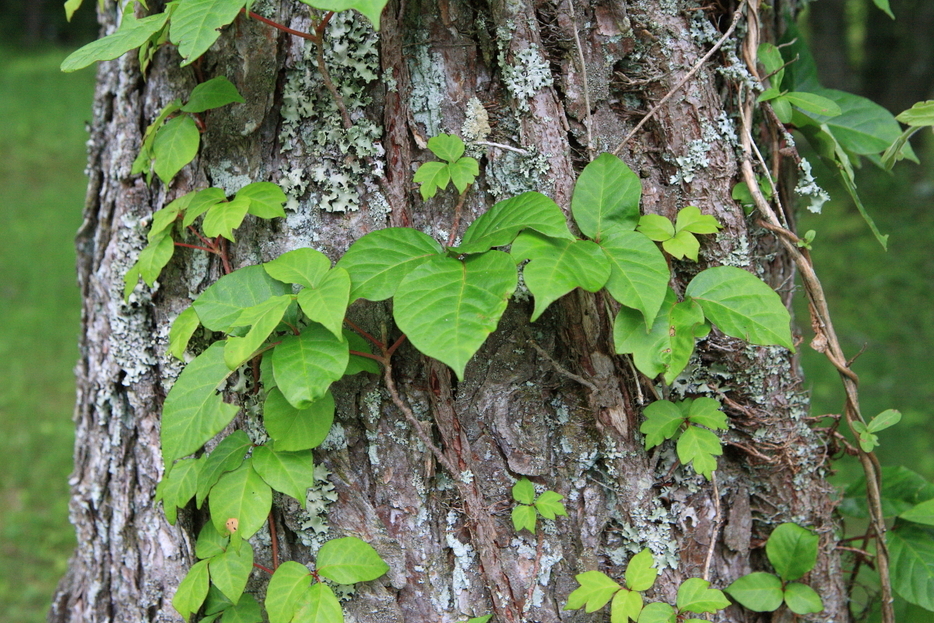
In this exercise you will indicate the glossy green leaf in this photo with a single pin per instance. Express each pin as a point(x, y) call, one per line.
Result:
point(201, 202)
point(656, 227)
point(131, 34)
point(768, 95)
point(783, 110)
point(378, 261)
point(175, 145)
point(886, 419)
point(484, 619)
point(432, 177)
point(639, 273)
point(683, 245)
point(192, 590)
point(223, 302)
point(663, 419)
point(923, 513)
point(901, 490)
point(371, 9)
point(448, 307)
point(349, 560)
point(558, 266)
point(297, 429)
point(70, 7)
point(292, 473)
point(911, 559)
point(247, 610)
point(193, 411)
point(196, 25)
point(759, 591)
point(549, 505)
point(178, 486)
point(464, 172)
point(684, 321)
point(695, 595)
point(523, 491)
point(813, 103)
point(288, 585)
point(262, 320)
point(319, 605)
point(626, 606)
point(266, 199)
point(690, 219)
point(771, 59)
point(224, 217)
point(130, 281)
point(802, 599)
point(356, 363)
point(231, 570)
point(629, 336)
point(792, 550)
point(699, 447)
point(165, 218)
point(742, 306)
point(242, 495)
point(502, 223)
point(153, 259)
point(302, 266)
point(921, 114)
point(863, 127)
point(657, 613)
point(596, 589)
point(641, 572)
point(216, 603)
point(305, 365)
point(606, 195)
point(227, 456)
point(210, 542)
point(524, 517)
point(446, 146)
point(327, 302)
point(706, 412)
point(214, 93)
point(183, 327)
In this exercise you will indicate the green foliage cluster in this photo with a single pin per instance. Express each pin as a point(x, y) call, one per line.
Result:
point(525, 513)
point(685, 421)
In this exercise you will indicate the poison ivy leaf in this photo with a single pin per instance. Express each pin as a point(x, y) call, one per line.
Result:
point(242, 495)
point(196, 24)
point(302, 266)
point(175, 145)
point(183, 327)
point(231, 570)
point(263, 320)
point(327, 302)
point(70, 7)
point(297, 429)
point(356, 363)
point(867, 441)
point(266, 199)
point(448, 307)
point(163, 219)
point(886, 419)
point(549, 505)
point(292, 473)
point(641, 572)
point(558, 266)
point(684, 321)
point(884, 5)
point(695, 595)
point(210, 542)
point(319, 605)
point(201, 202)
point(178, 487)
point(446, 146)
point(802, 599)
point(153, 259)
point(288, 585)
point(901, 490)
point(771, 59)
point(742, 306)
point(639, 273)
point(792, 550)
point(524, 516)
point(192, 590)
point(759, 591)
point(596, 589)
point(214, 93)
point(606, 195)
point(523, 491)
point(349, 560)
point(224, 217)
point(464, 172)
point(432, 177)
point(690, 219)
point(226, 457)
point(706, 412)
point(657, 613)
point(305, 365)
point(503, 222)
point(132, 33)
point(484, 619)
point(813, 103)
point(699, 446)
point(378, 261)
point(626, 606)
point(684, 244)
point(923, 513)
point(216, 603)
point(663, 419)
point(911, 551)
point(783, 110)
point(193, 411)
point(629, 336)
point(247, 610)
point(656, 227)
point(768, 95)
point(371, 9)
point(223, 302)
point(862, 128)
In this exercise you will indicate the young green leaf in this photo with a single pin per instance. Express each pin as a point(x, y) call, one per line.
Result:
point(524, 516)
point(700, 446)
point(759, 591)
point(432, 177)
point(695, 595)
point(297, 429)
point(183, 327)
point(463, 172)
point(792, 550)
point(771, 59)
point(484, 619)
point(862, 128)
point(370, 9)
point(663, 419)
point(783, 110)
point(175, 145)
point(629, 336)
point(657, 613)
point(349, 560)
point(305, 365)
point(247, 610)
point(626, 606)
point(70, 7)
point(153, 259)
point(802, 599)
point(884, 6)
point(923, 513)
point(196, 25)
point(214, 93)
point(327, 302)
point(165, 218)
point(288, 585)
point(242, 495)
point(523, 491)
point(886, 419)
point(639, 273)
point(221, 304)
point(641, 572)
point(305, 267)
point(656, 227)
point(606, 195)
point(262, 320)
point(231, 570)
point(143, 161)
point(292, 473)
point(266, 199)
point(921, 114)
point(549, 505)
point(210, 542)
point(690, 219)
point(911, 549)
point(596, 589)
point(685, 320)
point(130, 281)
point(378, 261)
point(768, 95)
point(226, 457)
point(192, 590)
point(867, 441)
point(224, 217)
point(132, 33)
point(178, 486)
point(319, 605)
point(684, 244)
point(446, 146)
point(813, 103)
point(201, 202)
point(503, 222)
point(706, 412)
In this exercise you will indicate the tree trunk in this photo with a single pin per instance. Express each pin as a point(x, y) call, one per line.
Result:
point(506, 73)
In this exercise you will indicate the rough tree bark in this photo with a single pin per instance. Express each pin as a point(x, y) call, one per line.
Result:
point(505, 72)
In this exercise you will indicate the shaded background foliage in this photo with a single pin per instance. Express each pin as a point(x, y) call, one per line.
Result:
point(882, 302)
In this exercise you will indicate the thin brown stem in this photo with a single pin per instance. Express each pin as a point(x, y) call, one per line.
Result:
point(372, 339)
point(457, 216)
point(275, 541)
point(221, 244)
point(326, 75)
point(266, 569)
point(283, 28)
point(195, 246)
point(367, 355)
point(395, 345)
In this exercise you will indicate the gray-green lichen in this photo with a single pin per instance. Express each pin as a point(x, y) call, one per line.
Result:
point(526, 75)
point(314, 519)
point(512, 173)
point(476, 126)
point(427, 93)
point(807, 187)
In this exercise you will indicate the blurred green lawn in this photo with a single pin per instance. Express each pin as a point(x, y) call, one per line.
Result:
point(42, 159)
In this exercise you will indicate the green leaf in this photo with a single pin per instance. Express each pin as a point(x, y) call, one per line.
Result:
point(306, 267)
point(768, 95)
point(626, 606)
point(370, 9)
point(656, 227)
point(657, 613)
point(378, 261)
point(802, 599)
point(901, 490)
point(783, 110)
point(242, 495)
point(639, 273)
point(484, 619)
point(196, 24)
point(292, 473)
point(288, 585)
point(606, 195)
point(742, 306)
point(889, 417)
point(153, 259)
point(356, 363)
point(700, 446)
point(176, 144)
point(549, 505)
point(297, 429)
point(178, 486)
point(130, 281)
point(319, 605)
point(221, 304)
point(911, 552)
point(193, 411)
point(629, 336)
point(448, 307)
point(867, 441)
point(226, 457)
point(216, 603)
point(224, 217)
point(558, 266)
point(183, 327)
point(690, 219)
point(266, 199)
point(131, 34)
point(349, 560)
point(264, 319)
point(503, 222)
point(464, 172)
point(759, 591)
point(523, 491)
point(305, 365)
point(863, 127)
point(446, 146)
point(214, 93)
point(792, 550)
point(771, 59)
point(884, 5)
point(231, 570)
point(201, 202)
point(695, 595)
point(327, 302)
point(432, 176)
point(210, 542)
point(919, 115)
point(813, 103)
point(641, 572)
point(596, 589)
point(684, 244)
point(923, 513)
point(70, 7)
point(247, 610)
point(166, 217)
point(684, 321)
point(524, 516)
point(663, 419)
point(706, 412)
point(192, 590)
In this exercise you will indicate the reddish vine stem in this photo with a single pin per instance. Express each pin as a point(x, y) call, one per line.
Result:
point(195, 246)
point(395, 345)
point(326, 75)
point(372, 339)
point(203, 240)
point(282, 27)
point(275, 541)
point(266, 569)
point(222, 245)
point(457, 217)
point(367, 355)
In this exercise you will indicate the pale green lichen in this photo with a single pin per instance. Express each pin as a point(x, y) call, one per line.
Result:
point(526, 75)
point(476, 126)
point(427, 93)
point(807, 187)
point(314, 519)
point(513, 173)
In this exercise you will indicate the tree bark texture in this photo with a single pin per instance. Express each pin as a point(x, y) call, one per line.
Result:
point(505, 73)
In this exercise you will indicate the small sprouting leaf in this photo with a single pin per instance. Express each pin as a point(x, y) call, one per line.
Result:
point(596, 589)
point(699, 446)
point(196, 25)
point(523, 491)
point(266, 199)
point(656, 227)
point(742, 194)
point(626, 606)
point(813, 103)
point(641, 572)
point(706, 412)
point(663, 419)
point(524, 516)
point(919, 115)
point(223, 302)
point(231, 570)
point(153, 259)
point(378, 261)
point(432, 177)
point(370, 9)
point(241, 495)
point(639, 273)
point(695, 595)
point(292, 473)
point(226, 457)
point(867, 441)
point(288, 585)
point(214, 93)
point(657, 612)
point(210, 542)
point(305, 365)
point(549, 505)
point(176, 144)
point(802, 599)
point(792, 550)
point(690, 219)
point(224, 217)
point(178, 486)
point(606, 195)
point(262, 320)
point(759, 591)
point(446, 146)
point(464, 172)
point(183, 327)
point(192, 590)
point(503, 222)
point(911, 549)
point(200, 202)
point(132, 33)
point(889, 417)
point(305, 267)
point(247, 610)
point(327, 301)
point(319, 604)
point(297, 429)
point(349, 560)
